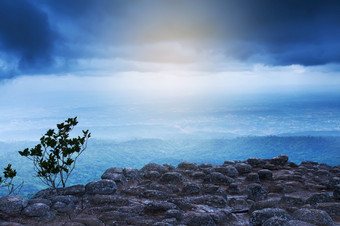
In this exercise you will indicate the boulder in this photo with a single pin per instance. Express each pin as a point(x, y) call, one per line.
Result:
point(190, 189)
point(291, 201)
point(275, 221)
point(220, 179)
point(336, 191)
point(313, 216)
point(156, 207)
point(12, 205)
point(229, 171)
point(187, 166)
point(318, 198)
point(253, 177)
point(265, 174)
point(154, 167)
point(280, 160)
point(332, 208)
point(258, 217)
point(243, 168)
point(101, 187)
point(255, 162)
point(199, 219)
point(256, 192)
point(36, 210)
point(171, 178)
point(174, 213)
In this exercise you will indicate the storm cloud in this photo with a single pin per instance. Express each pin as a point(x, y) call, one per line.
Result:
point(55, 36)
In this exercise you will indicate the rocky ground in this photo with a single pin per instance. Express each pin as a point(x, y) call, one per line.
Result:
point(252, 192)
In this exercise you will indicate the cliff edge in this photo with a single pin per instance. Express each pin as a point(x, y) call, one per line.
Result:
point(252, 192)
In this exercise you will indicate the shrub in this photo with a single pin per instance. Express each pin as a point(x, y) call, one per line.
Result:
point(55, 157)
point(9, 175)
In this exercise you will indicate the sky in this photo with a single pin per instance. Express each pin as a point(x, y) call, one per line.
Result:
point(59, 55)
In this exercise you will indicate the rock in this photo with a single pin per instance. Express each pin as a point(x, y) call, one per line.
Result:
point(171, 178)
point(333, 182)
point(336, 191)
point(243, 168)
point(229, 171)
point(216, 201)
point(77, 190)
point(174, 213)
point(292, 164)
point(332, 208)
point(291, 201)
point(256, 192)
point(264, 204)
point(313, 216)
point(233, 188)
point(101, 187)
point(156, 207)
point(39, 200)
point(88, 220)
point(198, 175)
point(199, 219)
point(280, 160)
point(255, 162)
point(169, 167)
point(318, 198)
point(187, 166)
point(253, 177)
point(205, 165)
point(258, 217)
point(152, 175)
point(36, 210)
point(154, 167)
point(115, 174)
point(238, 204)
point(130, 173)
point(220, 179)
point(275, 221)
point(191, 189)
point(12, 205)
point(265, 174)
point(298, 223)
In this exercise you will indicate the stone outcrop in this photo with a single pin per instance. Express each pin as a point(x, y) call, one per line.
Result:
point(252, 192)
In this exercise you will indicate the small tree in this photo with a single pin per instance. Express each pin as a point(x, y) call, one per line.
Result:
point(9, 175)
point(55, 157)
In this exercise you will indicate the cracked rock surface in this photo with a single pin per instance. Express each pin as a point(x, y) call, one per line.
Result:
point(251, 192)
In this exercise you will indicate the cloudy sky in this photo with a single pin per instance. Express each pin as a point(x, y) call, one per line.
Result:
point(84, 53)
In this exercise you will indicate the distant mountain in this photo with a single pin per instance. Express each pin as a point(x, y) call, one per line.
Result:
point(313, 133)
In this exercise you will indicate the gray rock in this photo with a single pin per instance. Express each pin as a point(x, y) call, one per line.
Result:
point(174, 213)
point(12, 205)
point(39, 200)
point(243, 168)
point(313, 216)
point(253, 177)
point(199, 219)
point(332, 208)
point(280, 160)
point(336, 191)
point(130, 173)
point(255, 162)
point(115, 174)
point(155, 207)
point(256, 192)
point(258, 217)
point(318, 198)
point(275, 221)
point(152, 175)
point(36, 210)
point(265, 174)
point(169, 166)
point(77, 190)
point(233, 188)
point(298, 223)
point(154, 167)
point(198, 175)
point(101, 187)
point(216, 201)
point(191, 189)
point(187, 166)
point(171, 178)
point(220, 179)
point(289, 201)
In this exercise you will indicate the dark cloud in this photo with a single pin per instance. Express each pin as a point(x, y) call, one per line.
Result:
point(25, 36)
point(52, 35)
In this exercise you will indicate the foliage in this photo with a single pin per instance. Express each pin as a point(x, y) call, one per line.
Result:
point(9, 175)
point(55, 157)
